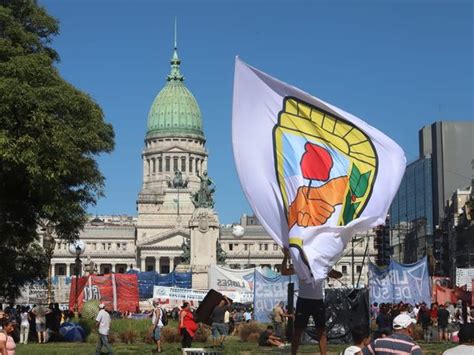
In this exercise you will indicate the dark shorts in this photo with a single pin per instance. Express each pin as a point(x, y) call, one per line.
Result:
point(219, 329)
point(307, 307)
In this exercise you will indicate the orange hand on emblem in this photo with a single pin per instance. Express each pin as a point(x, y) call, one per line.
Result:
point(317, 206)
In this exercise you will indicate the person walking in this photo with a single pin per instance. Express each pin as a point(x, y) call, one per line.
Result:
point(400, 342)
point(187, 326)
point(103, 322)
point(157, 321)
point(24, 325)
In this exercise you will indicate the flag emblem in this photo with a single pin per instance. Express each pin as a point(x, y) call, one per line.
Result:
point(326, 166)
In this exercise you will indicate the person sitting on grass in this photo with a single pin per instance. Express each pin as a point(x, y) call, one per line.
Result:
point(361, 338)
point(268, 339)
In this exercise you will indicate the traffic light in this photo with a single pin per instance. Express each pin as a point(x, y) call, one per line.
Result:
point(382, 245)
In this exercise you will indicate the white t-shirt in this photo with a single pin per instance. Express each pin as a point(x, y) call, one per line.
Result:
point(104, 322)
point(310, 291)
point(460, 350)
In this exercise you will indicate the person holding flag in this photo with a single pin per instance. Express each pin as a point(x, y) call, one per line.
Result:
point(323, 176)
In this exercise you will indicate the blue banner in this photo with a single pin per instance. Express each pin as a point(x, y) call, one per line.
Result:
point(268, 291)
point(147, 280)
point(400, 283)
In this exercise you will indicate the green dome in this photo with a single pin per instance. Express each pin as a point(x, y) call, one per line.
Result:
point(175, 112)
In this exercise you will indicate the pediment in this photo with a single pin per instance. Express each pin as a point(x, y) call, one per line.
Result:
point(170, 238)
point(175, 149)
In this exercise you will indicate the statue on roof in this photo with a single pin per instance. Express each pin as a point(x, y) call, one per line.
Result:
point(203, 198)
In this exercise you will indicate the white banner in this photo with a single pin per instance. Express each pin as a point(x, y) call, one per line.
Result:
point(465, 277)
point(230, 280)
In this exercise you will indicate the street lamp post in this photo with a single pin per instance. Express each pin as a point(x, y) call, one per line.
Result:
point(48, 245)
point(77, 248)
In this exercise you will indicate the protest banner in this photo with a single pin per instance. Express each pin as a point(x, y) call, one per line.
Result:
point(400, 283)
point(118, 291)
point(171, 297)
point(268, 292)
point(465, 276)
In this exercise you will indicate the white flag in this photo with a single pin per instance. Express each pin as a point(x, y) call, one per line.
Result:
point(314, 174)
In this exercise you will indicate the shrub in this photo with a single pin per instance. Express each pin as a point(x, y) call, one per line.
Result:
point(248, 328)
point(128, 336)
point(170, 335)
point(202, 335)
point(253, 337)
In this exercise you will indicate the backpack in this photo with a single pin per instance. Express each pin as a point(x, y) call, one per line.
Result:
point(164, 317)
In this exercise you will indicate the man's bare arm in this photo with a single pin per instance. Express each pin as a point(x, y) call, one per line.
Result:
point(286, 268)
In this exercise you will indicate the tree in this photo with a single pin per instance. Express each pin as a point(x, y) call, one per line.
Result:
point(50, 135)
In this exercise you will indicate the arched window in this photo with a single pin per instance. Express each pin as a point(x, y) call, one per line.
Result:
point(197, 166)
point(160, 165)
point(167, 164)
point(153, 165)
point(183, 164)
point(190, 164)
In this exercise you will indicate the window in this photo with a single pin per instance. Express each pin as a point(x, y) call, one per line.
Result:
point(153, 165)
point(160, 165)
point(266, 246)
point(344, 269)
point(148, 166)
point(260, 247)
point(197, 166)
point(275, 247)
point(358, 268)
point(109, 246)
point(175, 163)
point(118, 246)
point(121, 270)
point(94, 246)
point(246, 247)
point(61, 270)
point(103, 246)
point(167, 164)
point(183, 164)
point(124, 246)
point(190, 165)
point(231, 246)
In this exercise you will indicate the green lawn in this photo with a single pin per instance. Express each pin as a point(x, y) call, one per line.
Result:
point(233, 346)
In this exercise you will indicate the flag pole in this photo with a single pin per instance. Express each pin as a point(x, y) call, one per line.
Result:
point(363, 261)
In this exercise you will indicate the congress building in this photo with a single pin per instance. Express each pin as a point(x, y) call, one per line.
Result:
point(175, 161)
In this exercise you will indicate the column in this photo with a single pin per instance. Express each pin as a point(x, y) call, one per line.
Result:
point(112, 268)
point(68, 269)
point(53, 269)
point(157, 264)
point(171, 264)
point(143, 265)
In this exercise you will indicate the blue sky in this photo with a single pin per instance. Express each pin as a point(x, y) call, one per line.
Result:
point(399, 65)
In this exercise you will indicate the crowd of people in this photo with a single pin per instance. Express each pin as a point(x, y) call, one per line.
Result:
point(438, 322)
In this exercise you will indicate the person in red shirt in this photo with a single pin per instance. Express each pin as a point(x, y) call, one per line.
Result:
point(187, 326)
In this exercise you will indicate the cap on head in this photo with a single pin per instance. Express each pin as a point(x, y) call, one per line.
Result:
point(403, 321)
point(102, 305)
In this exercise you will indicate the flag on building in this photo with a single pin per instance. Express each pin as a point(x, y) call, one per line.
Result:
point(313, 174)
